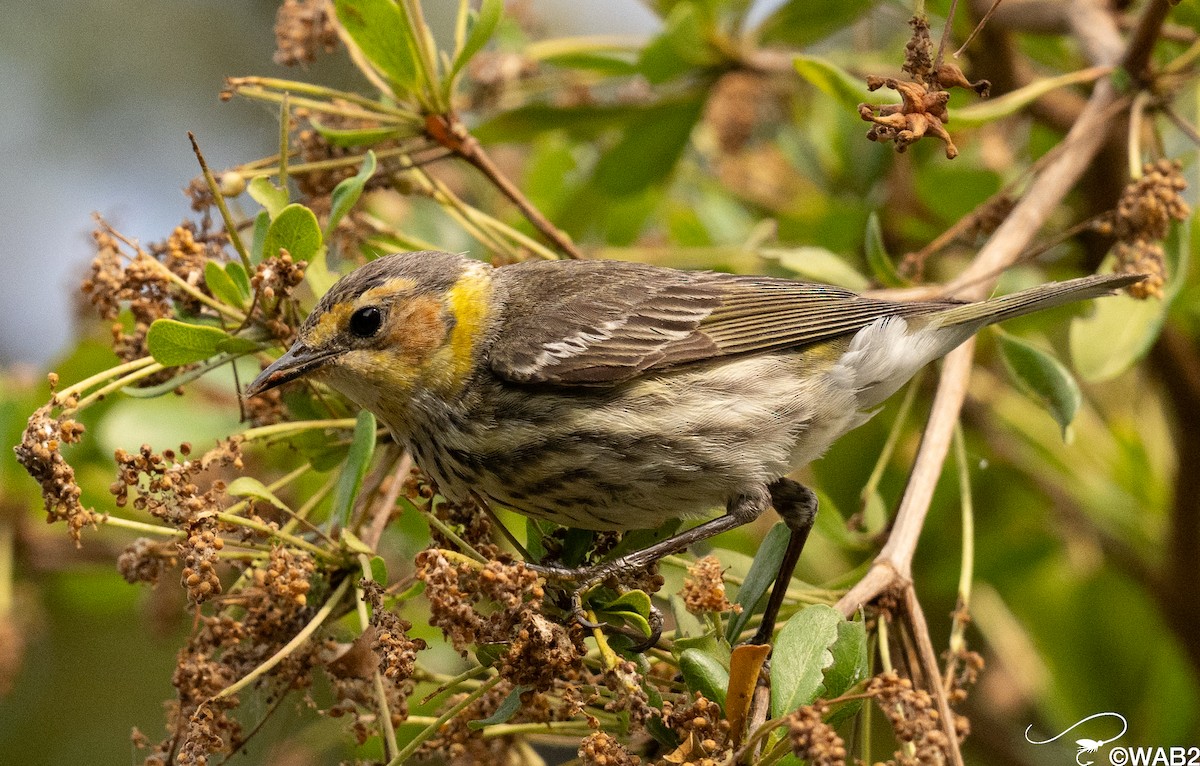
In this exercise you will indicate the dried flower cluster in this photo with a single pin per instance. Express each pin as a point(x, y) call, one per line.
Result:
point(812, 739)
point(1141, 221)
point(602, 749)
point(922, 109)
point(914, 718)
point(303, 28)
point(40, 453)
point(704, 589)
point(703, 732)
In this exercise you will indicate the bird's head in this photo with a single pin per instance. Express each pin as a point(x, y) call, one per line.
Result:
point(395, 326)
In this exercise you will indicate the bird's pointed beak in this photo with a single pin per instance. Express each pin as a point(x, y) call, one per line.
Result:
point(299, 360)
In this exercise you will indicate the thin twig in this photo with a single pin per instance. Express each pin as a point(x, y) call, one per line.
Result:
point(927, 658)
point(230, 224)
point(937, 60)
point(978, 27)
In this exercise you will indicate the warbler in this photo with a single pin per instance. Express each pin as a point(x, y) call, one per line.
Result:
point(613, 396)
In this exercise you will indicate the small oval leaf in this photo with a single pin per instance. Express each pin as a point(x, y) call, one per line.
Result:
point(759, 578)
point(173, 343)
point(248, 486)
point(346, 193)
point(273, 198)
point(704, 673)
point(1042, 377)
point(483, 25)
point(380, 30)
point(221, 285)
point(296, 230)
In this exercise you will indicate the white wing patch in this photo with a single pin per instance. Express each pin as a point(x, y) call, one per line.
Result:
point(884, 355)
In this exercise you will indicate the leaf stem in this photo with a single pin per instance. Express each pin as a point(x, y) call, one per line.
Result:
point(432, 728)
point(297, 641)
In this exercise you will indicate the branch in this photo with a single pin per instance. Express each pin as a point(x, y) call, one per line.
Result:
point(449, 132)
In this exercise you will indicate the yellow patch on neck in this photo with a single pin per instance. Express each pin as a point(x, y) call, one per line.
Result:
point(467, 301)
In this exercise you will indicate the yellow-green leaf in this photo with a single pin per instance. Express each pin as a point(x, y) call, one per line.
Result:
point(381, 31)
point(271, 197)
point(1042, 377)
point(173, 343)
point(346, 193)
point(296, 230)
point(221, 285)
point(877, 255)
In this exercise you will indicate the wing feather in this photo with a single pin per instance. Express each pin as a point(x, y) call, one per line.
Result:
point(604, 322)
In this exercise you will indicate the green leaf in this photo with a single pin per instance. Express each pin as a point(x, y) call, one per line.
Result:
point(262, 222)
point(1042, 377)
point(267, 194)
point(631, 601)
point(506, 710)
point(482, 27)
point(379, 570)
point(352, 137)
point(652, 144)
point(633, 607)
point(248, 486)
point(237, 273)
point(759, 578)
point(358, 460)
point(380, 30)
point(347, 192)
point(221, 285)
point(1121, 329)
point(704, 673)
point(802, 653)
point(837, 83)
point(819, 265)
point(802, 22)
point(317, 274)
point(173, 343)
point(237, 345)
point(580, 122)
point(849, 659)
point(354, 544)
point(877, 255)
point(296, 230)
point(1012, 102)
point(684, 45)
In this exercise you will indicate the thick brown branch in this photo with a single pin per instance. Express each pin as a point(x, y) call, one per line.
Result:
point(452, 134)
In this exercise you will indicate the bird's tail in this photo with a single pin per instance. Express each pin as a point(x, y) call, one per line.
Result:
point(1045, 296)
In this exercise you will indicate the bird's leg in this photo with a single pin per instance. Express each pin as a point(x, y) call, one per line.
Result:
point(796, 504)
point(741, 510)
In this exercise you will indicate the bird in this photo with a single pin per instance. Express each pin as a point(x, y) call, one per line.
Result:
point(609, 395)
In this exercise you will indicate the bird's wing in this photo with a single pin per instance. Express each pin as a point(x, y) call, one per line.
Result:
point(601, 323)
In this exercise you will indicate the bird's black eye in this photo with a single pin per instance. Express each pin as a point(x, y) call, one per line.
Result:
point(366, 321)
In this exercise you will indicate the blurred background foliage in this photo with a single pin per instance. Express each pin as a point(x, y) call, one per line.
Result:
point(685, 136)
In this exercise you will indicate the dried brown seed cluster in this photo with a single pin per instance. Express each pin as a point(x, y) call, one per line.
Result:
point(200, 549)
point(541, 653)
point(145, 560)
point(40, 453)
point(277, 276)
point(454, 589)
point(303, 28)
point(164, 484)
point(469, 521)
point(602, 749)
point(1141, 222)
point(703, 732)
point(968, 665)
point(316, 148)
point(397, 652)
point(812, 739)
point(914, 718)
point(922, 109)
point(137, 283)
point(704, 589)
